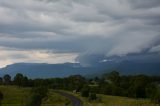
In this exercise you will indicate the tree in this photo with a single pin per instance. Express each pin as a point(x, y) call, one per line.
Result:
point(42, 91)
point(18, 79)
point(92, 96)
point(150, 90)
point(85, 91)
point(37, 94)
point(25, 81)
point(137, 88)
point(76, 82)
point(114, 77)
point(156, 97)
point(7, 79)
point(1, 81)
point(1, 97)
point(34, 100)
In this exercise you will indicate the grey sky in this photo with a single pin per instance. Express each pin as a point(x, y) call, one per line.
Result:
point(73, 29)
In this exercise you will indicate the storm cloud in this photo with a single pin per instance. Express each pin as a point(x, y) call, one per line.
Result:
point(78, 28)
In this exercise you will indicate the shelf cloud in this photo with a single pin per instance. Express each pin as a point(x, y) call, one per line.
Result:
point(78, 28)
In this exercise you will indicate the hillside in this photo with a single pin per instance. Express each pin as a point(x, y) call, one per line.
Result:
point(42, 70)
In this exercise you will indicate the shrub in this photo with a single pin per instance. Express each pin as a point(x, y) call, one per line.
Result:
point(92, 96)
point(1, 97)
point(85, 93)
point(156, 97)
point(37, 94)
point(34, 100)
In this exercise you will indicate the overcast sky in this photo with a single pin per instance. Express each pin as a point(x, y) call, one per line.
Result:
point(58, 31)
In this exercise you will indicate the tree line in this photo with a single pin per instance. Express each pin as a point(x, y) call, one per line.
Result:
point(135, 86)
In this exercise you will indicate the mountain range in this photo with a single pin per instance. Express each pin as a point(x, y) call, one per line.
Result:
point(43, 70)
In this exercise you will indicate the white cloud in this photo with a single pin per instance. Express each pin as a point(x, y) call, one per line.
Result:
point(109, 27)
point(9, 56)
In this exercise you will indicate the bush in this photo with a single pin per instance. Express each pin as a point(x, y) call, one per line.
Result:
point(92, 96)
point(156, 97)
point(37, 94)
point(42, 91)
point(1, 97)
point(85, 91)
point(34, 100)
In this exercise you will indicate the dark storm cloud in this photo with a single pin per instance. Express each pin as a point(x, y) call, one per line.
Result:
point(145, 3)
point(86, 27)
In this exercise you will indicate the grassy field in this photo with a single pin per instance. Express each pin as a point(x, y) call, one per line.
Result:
point(55, 99)
point(104, 100)
point(14, 96)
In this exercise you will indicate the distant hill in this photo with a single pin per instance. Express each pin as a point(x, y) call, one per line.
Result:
point(43, 70)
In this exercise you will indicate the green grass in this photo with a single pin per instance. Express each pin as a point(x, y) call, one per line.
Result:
point(55, 99)
point(105, 100)
point(123, 101)
point(14, 96)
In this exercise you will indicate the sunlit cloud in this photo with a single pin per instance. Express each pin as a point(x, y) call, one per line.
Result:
point(9, 56)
